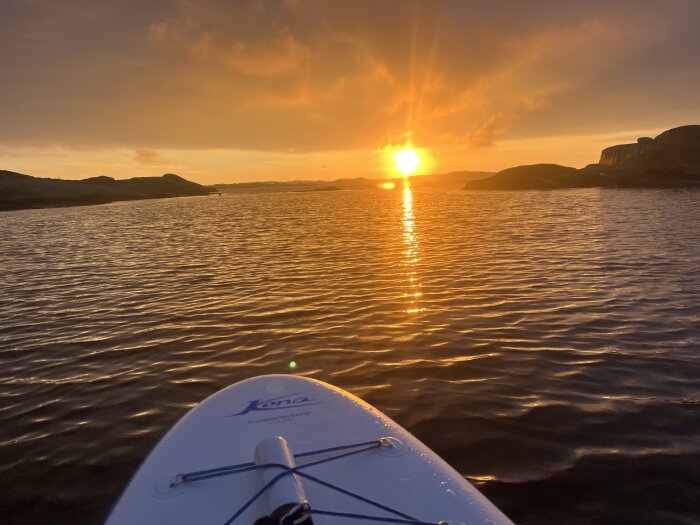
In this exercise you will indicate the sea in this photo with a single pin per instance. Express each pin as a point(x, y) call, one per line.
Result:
point(546, 344)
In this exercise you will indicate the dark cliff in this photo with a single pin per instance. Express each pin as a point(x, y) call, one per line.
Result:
point(673, 152)
point(672, 159)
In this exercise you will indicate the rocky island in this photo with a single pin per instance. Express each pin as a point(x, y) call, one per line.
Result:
point(19, 191)
point(672, 159)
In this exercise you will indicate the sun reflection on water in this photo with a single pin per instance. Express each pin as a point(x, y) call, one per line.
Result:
point(410, 253)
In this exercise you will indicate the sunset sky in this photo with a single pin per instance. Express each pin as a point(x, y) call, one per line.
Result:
point(303, 89)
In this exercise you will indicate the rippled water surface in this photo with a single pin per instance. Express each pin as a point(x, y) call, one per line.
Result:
point(546, 344)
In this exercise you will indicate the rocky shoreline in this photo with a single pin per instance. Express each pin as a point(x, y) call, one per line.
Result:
point(19, 191)
point(670, 160)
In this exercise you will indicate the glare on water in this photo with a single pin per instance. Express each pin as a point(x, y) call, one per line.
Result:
point(410, 254)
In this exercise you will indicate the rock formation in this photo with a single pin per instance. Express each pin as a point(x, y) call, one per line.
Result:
point(675, 152)
point(531, 177)
point(19, 191)
point(670, 160)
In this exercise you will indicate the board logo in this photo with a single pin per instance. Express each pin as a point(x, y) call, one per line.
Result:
point(278, 403)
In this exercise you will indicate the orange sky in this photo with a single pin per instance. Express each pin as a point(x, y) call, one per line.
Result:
point(303, 89)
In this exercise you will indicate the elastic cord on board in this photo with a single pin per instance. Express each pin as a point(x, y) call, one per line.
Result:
point(400, 518)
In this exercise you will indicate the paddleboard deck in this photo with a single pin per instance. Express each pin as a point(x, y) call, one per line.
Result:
point(359, 463)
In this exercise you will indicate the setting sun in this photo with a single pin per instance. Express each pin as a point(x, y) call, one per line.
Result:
point(407, 161)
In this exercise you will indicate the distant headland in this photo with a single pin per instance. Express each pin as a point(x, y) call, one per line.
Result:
point(18, 191)
point(358, 183)
point(669, 160)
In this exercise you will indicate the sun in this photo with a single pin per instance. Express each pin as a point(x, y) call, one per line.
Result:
point(407, 161)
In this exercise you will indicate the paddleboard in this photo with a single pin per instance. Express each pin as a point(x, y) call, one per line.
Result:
point(292, 450)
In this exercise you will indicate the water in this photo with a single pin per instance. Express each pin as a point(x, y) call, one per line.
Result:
point(546, 344)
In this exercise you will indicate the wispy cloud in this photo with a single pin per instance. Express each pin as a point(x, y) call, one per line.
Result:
point(149, 156)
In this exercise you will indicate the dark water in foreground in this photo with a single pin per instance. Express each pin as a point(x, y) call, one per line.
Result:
point(546, 344)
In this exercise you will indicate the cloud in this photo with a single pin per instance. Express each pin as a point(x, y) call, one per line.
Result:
point(268, 58)
point(149, 156)
point(325, 76)
point(534, 71)
point(280, 54)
